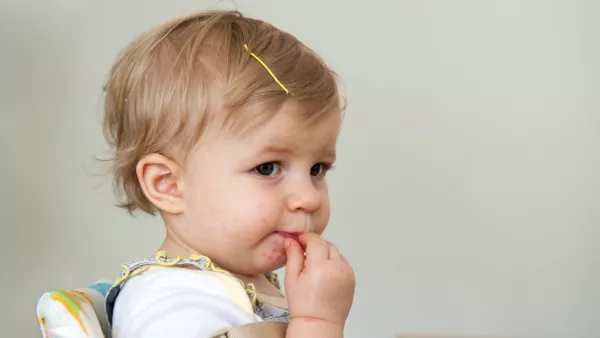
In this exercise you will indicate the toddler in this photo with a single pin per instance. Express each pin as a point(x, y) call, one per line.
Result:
point(226, 127)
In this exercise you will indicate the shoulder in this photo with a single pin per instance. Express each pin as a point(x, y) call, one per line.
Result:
point(178, 302)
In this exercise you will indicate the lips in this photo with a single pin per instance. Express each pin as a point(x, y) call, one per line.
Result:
point(293, 235)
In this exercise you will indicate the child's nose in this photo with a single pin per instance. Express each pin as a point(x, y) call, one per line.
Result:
point(304, 196)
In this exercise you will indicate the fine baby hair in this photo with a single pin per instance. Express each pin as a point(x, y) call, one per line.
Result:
point(168, 83)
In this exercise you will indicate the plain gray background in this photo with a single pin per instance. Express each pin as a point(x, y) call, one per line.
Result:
point(466, 194)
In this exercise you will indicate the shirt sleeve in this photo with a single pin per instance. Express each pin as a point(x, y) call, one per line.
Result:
point(183, 303)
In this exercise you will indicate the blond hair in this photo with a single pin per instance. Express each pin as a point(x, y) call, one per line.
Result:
point(162, 90)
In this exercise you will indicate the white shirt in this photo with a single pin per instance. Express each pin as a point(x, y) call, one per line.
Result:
point(181, 303)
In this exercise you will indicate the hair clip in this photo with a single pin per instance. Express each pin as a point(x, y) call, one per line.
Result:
point(268, 70)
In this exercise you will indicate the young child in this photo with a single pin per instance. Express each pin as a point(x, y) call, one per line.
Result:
point(226, 126)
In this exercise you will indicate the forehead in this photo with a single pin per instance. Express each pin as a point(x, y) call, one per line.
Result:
point(290, 125)
point(284, 132)
point(290, 121)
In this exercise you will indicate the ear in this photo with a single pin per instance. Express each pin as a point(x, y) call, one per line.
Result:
point(162, 183)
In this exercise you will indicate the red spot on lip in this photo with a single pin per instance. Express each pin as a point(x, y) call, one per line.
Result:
point(293, 235)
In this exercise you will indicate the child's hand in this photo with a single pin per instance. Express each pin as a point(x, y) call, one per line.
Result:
point(320, 286)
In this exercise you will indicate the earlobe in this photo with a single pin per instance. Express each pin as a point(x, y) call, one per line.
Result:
point(162, 183)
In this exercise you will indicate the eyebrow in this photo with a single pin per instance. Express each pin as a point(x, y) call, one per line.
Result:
point(330, 153)
point(276, 149)
point(273, 149)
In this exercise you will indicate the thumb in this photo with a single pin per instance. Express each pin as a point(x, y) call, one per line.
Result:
point(295, 258)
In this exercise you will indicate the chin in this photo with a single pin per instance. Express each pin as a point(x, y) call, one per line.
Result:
point(278, 266)
point(273, 264)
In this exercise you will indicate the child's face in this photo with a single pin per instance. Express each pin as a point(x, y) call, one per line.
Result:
point(244, 194)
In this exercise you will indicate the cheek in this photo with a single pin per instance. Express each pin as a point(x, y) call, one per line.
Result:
point(248, 213)
point(276, 254)
point(323, 216)
point(237, 209)
point(264, 215)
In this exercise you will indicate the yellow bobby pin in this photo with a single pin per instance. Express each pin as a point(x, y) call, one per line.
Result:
point(268, 70)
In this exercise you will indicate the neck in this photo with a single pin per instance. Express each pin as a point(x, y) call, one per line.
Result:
point(174, 247)
point(261, 283)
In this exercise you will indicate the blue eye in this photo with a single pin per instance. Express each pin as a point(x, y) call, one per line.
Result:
point(268, 169)
point(319, 169)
